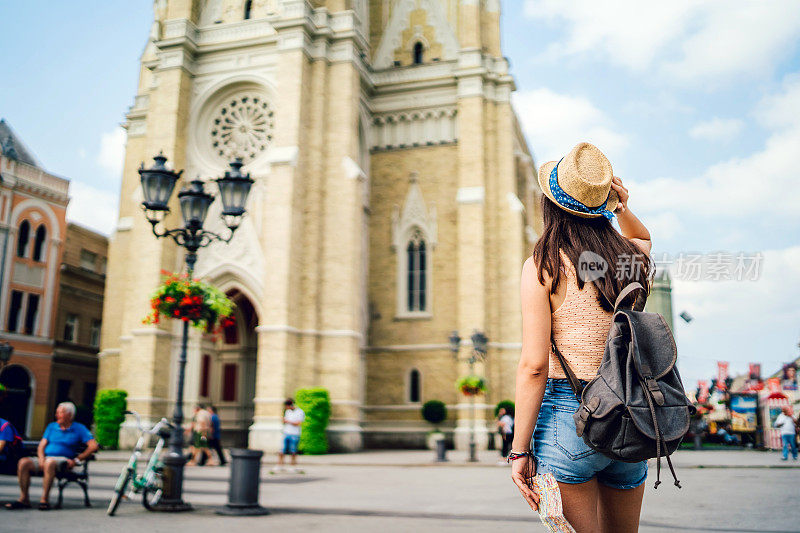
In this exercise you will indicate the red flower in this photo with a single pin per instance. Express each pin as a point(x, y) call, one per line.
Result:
point(176, 312)
point(169, 299)
point(185, 319)
point(186, 300)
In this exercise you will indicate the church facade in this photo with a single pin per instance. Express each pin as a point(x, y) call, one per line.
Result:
point(395, 201)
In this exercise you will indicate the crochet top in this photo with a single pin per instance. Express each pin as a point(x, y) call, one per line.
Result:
point(579, 327)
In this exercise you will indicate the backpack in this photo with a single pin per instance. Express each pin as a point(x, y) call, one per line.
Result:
point(635, 408)
point(14, 450)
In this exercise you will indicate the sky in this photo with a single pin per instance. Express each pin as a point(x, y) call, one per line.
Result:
point(696, 104)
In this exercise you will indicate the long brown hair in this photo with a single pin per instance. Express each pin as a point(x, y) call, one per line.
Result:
point(574, 235)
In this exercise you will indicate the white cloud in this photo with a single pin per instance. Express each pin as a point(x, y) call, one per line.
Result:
point(554, 123)
point(112, 152)
point(764, 182)
point(94, 208)
point(726, 313)
point(717, 129)
point(685, 41)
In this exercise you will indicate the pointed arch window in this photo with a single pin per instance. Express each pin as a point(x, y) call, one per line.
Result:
point(414, 388)
point(38, 243)
point(419, 52)
point(23, 238)
point(248, 6)
point(416, 288)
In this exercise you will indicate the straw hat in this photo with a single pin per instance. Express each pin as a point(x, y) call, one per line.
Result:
point(585, 175)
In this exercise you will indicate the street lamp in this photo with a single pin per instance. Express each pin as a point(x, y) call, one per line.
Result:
point(6, 350)
point(158, 182)
point(479, 348)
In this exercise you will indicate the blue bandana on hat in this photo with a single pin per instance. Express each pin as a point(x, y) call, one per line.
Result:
point(565, 200)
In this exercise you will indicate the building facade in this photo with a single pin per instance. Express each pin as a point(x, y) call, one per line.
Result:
point(33, 205)
point(78, 319)
point(395, 201)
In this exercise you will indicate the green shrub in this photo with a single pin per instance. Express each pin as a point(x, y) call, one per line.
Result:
point(109, 413)
point(434, 411)
point(316, 404)
point(507, 404)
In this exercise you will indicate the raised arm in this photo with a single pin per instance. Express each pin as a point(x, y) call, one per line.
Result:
point(629, 225)
point(531, 372)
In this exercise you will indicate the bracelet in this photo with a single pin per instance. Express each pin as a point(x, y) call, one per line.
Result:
point(512, 456)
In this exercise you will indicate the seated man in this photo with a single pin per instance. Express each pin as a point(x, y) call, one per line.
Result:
point(58, 449)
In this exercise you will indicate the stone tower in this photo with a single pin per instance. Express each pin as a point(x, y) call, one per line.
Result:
point(394, 202)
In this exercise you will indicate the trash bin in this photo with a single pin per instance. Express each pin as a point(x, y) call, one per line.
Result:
point(244, 483)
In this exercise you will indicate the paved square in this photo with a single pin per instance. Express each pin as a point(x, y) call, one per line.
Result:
point(401, 491)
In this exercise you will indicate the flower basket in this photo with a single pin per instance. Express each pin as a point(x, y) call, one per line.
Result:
point(201, 304)
point(471, 385)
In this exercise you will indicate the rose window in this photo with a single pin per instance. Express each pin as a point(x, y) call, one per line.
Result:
point(242, 127)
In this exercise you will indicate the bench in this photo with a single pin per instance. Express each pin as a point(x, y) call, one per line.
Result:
point(79, 474)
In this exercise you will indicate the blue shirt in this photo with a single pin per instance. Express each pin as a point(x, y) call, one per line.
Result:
point(65, 442)
point(216, 431)
point(7, 434)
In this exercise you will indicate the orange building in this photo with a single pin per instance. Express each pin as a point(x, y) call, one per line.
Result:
point(33, 206)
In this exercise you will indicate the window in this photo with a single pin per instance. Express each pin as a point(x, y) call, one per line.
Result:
point(31, 313)
point(88, 260)
point(248, 5)
point(94, 335)
point(205, 376)
point(23, 236)
point(14, 311)
point(415, 252)
point(71, 328)
point(38, 243)
point(229, 382)
point(419, 51)
point(231, 334)
point(413, 386)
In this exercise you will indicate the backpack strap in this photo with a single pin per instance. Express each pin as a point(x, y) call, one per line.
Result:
point(573, 380)
point(626, 291)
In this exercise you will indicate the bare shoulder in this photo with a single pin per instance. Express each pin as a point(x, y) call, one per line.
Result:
point(530, 277)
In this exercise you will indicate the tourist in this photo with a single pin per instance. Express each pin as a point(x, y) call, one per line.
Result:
point(786, 424)
point(200, 430)
point(216, 434)
point(505, 426)
point(574, 312)
point(58, 450)
point(293, 416)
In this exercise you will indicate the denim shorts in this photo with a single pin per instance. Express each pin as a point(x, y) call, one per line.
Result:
point(560, 451)
point(290, 443)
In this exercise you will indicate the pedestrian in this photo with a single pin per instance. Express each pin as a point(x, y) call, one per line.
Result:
point(293, 416)
point(216, 434)
point(505, 426)
point(567, 292)
point(10, 447)
point(200, 430)
point(786, 423)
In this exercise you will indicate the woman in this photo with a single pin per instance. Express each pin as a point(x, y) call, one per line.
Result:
point(566, 296)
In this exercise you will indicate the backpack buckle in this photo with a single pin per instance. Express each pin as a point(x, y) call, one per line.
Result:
point(583, 414)
point(655, 390)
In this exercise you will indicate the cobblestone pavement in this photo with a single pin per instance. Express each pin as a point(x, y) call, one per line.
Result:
point(734, 491)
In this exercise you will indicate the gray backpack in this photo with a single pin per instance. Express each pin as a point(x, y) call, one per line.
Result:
point(635, 408)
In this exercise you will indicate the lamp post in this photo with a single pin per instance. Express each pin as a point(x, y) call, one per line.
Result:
point(479, 344)
point(158, 183)
point(6, 350)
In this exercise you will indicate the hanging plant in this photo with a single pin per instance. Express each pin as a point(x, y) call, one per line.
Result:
point(201, 304)
point(471, 385)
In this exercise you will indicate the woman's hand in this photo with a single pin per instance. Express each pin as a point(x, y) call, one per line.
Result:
point(623, 194)
point(521, 470)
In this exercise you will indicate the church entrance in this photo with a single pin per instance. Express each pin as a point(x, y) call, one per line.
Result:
point(234, 365)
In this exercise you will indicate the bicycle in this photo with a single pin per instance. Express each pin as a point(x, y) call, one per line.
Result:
point(150, 482)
